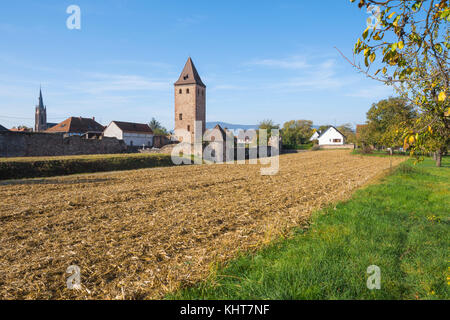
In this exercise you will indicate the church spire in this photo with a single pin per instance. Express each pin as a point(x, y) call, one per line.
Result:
point(41, 101)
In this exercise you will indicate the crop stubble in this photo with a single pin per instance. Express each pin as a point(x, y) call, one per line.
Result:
point(140, 234)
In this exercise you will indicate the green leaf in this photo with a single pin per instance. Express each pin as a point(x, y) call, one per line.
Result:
point(394, 47)
point(397, 19)
point(365, 33)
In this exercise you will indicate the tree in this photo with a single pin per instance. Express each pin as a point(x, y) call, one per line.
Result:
point(347, 130)
point(157, 128)
point(324, 128)
point(411, 42)
point(268, 125)
point(386, 119)
point(297, 132)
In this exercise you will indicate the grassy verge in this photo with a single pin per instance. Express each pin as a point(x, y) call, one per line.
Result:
point(400, 225)
point(380, 153)
point(18, 168)
point(306, 146)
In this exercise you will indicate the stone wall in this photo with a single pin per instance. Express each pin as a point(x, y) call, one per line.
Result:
point(160, 141)
point(26, 144)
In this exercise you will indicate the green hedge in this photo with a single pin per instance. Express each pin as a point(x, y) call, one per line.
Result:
point(18, 169)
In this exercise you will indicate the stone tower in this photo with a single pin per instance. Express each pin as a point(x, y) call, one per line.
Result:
point(190, 100)
point(40, 122)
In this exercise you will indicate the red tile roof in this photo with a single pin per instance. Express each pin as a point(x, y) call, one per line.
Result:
point(77, 125)
point(21, 130)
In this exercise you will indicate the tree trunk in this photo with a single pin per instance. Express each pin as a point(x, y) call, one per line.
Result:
point(438, 158)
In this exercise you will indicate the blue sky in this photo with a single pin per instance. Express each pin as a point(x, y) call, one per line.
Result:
point(259, 59)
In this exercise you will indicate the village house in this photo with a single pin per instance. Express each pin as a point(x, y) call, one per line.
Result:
point(134, 134)
point(77, 126)
point(331, 137)
point(2, 128)
point(315, 136)
point(217, 143)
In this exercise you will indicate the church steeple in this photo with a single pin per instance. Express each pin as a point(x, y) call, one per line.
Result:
point(41, 101)
point(40, 119)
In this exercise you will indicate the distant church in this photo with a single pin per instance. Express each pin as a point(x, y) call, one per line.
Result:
point(40, 116)
point(190, 100)
point(40, 122)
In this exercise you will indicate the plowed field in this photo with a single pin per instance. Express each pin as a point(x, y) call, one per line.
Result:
point(140, 234)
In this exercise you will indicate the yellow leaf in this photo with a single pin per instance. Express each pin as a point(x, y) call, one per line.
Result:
point(430, 129)
point(411, 140)
point(442, 96)
point(400, 45)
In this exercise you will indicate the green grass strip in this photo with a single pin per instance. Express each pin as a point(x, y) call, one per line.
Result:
point(400, 225)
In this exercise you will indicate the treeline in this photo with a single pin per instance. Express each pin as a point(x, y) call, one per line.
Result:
point(385, 125)
point(296, 134)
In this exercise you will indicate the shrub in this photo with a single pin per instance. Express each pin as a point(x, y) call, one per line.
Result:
point(366, 150)
point(315, 147)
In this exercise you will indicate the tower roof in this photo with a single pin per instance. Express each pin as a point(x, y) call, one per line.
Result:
point(189, 75)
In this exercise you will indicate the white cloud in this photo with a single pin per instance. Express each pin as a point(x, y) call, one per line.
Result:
point(99, 83)
point(296, 62)
point(372, 92)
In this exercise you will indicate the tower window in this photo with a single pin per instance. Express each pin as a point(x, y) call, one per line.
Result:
point(187, 91)
point(186, 76)
point(189, 128)
point(180, 116)
point(180, 91)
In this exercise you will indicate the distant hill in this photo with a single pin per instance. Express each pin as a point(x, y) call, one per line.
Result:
point(231, 126)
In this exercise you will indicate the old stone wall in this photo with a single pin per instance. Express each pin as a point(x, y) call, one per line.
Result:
point(160, 141)
point(26, 144)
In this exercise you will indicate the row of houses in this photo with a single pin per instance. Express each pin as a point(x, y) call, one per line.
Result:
point(133, 134)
